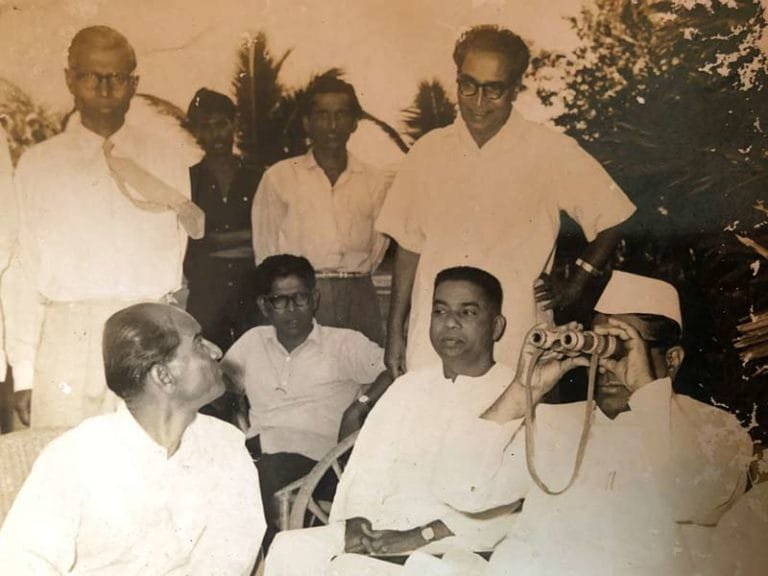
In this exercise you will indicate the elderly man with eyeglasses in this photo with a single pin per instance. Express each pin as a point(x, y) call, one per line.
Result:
point(308, 385)
point(487, 191)
point(104, 218)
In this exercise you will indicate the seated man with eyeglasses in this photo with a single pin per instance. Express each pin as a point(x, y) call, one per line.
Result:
point(306, 383)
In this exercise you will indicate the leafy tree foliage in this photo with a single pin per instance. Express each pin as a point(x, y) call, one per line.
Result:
point(670, 97)
point(24, 122)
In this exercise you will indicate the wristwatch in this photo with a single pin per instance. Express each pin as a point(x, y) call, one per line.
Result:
point(428, 533)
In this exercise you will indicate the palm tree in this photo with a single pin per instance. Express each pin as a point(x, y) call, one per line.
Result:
point(431, 108)
point(258, 94)
point(269, 115)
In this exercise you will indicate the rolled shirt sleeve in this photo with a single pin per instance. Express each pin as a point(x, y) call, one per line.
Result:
point(588, 193)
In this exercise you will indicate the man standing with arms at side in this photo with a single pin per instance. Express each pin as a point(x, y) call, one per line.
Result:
point(322, 206)
point(487, 192)
point(104, 216)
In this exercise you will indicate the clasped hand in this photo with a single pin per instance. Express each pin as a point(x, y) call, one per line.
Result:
point(361, 538)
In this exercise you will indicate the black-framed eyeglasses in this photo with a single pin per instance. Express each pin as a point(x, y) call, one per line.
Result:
point(92, 80)
point(491, 90)
point(281, 302)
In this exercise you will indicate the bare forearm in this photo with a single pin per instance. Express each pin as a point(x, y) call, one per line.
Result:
point(403, 277)
point(509, 406)
point(379, 386)
point(600, 250)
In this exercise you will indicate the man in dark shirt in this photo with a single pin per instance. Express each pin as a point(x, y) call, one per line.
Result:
point(219, 267)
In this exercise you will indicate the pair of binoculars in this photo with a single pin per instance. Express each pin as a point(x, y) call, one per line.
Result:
point(578, 342)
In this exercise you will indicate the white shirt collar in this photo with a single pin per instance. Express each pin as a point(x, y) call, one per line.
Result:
point(309, 162)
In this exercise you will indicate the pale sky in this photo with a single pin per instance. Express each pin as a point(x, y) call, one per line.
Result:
point(385, 46)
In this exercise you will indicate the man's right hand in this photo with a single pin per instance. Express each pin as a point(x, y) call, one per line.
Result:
point(394, 355)
point(22, 404)
point(550, 366)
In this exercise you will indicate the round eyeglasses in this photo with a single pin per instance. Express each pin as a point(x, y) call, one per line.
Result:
point(281, 302)
point(113, 80)
point(491, 90)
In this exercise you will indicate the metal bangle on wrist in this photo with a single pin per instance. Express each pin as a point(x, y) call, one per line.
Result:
point(588, 268)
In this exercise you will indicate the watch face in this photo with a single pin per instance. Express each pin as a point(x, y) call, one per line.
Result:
point(428, 533)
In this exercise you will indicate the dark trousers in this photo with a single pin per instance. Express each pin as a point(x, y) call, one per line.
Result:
point(277, 471)
point(350, 303)
point(222, 298)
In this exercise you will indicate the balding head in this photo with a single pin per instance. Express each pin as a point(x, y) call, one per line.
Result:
point(99, 38)
point(100, 78)
point(135, 339)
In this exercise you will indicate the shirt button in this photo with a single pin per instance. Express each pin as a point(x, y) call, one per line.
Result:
point(230, 284)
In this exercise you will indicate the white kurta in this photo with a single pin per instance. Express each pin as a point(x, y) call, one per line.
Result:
point(391, 476)
point(105, 499)
point(495, 208)
point(668, 460)
point(85, 248)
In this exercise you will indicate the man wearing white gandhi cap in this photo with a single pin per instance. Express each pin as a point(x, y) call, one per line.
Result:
point(653, 459)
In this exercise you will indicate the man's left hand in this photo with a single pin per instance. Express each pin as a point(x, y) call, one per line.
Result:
point(392, 541)
point(353, 419)
point(558, 295)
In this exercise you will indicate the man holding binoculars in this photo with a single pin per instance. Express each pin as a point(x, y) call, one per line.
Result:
point(611, 502)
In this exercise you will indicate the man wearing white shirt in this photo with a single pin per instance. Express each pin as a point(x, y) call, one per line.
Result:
point(654, 460)
point(487, 191)
point(322, 206)
point(91, 240)
point(308, 385)
point(154, 488)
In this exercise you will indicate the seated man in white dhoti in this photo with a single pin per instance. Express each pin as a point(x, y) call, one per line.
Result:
point(390, 500)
